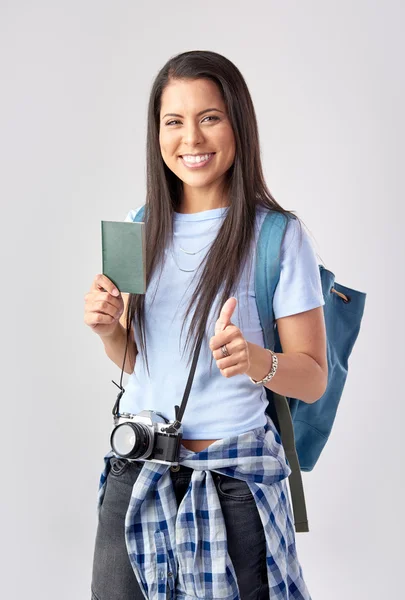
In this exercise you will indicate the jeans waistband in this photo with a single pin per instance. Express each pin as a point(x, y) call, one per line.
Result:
point(181, 469)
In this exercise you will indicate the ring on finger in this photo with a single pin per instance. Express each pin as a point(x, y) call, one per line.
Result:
point(225, 350)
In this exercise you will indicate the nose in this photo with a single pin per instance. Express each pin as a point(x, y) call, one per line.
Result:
point(192, 135)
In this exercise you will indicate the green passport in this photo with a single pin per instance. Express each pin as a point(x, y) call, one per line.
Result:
point(123, 252)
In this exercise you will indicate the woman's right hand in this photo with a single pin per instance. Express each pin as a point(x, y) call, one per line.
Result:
point(103, 308)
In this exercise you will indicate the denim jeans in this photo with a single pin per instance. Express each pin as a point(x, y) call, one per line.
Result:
point(113, 577)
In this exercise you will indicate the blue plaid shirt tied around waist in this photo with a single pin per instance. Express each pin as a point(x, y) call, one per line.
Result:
point(181, 553)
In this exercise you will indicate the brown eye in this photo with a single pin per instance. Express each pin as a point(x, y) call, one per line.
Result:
point(207, 117)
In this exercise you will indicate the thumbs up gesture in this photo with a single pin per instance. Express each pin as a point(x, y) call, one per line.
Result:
point(229, 347)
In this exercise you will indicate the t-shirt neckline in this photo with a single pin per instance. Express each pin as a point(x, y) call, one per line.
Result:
point(212, 213)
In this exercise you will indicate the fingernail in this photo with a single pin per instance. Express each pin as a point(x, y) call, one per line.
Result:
point(115, 292)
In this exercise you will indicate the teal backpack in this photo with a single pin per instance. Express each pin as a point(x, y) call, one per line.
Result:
point(304, 428)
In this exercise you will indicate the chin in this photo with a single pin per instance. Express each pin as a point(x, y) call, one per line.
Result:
point(198, 182)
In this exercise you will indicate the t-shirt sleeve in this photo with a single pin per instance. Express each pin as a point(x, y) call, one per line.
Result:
point(299, 287)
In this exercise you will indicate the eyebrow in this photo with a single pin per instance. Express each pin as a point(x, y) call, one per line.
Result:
point(198, 114)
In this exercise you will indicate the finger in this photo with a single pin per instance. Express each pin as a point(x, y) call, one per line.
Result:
point(94, 319)
point(219, 340)
point(106, 305)
point(106, 308)
point(218, 354)
point(224, 362)
point(102, 283)
point(228, 336)
point(237, 345)
point(96, 296)
point(225, 315)
point(231, 371)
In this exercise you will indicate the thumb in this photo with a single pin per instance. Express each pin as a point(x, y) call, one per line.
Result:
point(225, 315)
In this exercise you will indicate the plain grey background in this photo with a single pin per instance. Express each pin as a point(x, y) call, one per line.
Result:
point(327, 81)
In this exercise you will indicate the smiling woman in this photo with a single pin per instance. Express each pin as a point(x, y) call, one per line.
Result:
point(225, 524)
point(198, 148)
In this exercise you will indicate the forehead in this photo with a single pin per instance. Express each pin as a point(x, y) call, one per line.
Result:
point(190, 95)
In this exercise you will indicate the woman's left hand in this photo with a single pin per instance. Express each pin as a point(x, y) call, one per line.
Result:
point(227, 334)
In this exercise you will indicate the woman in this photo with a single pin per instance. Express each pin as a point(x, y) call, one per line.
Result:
point(230, 534)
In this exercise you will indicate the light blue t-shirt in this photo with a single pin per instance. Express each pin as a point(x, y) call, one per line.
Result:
point(217, 406)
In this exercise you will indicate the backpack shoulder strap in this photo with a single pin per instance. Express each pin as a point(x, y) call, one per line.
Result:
point(267, 275)
point(140, 214)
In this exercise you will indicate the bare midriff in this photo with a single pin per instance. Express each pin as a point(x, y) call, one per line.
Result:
point(197, 445)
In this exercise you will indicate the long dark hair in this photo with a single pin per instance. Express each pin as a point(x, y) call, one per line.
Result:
point(245, 189)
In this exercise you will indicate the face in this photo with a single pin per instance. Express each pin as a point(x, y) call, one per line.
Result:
point(196, 137)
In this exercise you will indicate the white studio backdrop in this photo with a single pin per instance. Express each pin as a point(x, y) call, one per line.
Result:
point(327, 81)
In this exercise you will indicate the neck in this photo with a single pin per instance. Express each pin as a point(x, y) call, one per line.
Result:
point(195, 200)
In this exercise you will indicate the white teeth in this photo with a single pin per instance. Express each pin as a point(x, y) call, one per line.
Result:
point(196, 159)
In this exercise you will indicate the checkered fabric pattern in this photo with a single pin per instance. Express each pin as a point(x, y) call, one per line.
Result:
point(181, 553)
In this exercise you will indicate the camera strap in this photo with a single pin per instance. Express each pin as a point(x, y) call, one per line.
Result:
point(179, 411)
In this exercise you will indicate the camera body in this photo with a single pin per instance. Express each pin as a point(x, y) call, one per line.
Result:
point(144, 436)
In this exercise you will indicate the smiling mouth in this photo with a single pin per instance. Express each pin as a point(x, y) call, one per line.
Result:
point(197, 161)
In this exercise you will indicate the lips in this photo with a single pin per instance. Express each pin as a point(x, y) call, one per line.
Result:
point(197, 165)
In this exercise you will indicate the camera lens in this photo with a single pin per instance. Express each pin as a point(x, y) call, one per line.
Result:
point(131, 440)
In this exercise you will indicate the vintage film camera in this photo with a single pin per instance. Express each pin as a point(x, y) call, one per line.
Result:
point(147, 435)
